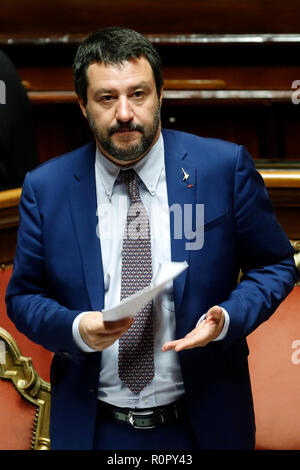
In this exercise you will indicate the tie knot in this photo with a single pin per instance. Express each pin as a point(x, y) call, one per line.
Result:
point(130, 179)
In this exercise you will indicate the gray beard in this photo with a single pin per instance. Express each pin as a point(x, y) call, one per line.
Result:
point(134, 151)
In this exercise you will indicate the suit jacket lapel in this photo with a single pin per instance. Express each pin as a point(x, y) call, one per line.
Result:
point(83, 202)
point(182, 198)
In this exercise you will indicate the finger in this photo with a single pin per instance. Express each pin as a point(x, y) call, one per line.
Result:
point(200, 338)
point(178, 345)
point(170, 345)
point(189, 343)
point(103, 341)
point(103, 344)
point(119, 325)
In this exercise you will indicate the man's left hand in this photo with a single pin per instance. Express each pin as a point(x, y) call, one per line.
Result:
point(204, 333)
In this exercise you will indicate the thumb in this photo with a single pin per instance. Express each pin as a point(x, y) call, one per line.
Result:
point(214, 314)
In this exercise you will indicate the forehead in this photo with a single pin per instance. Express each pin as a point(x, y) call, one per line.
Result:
point(126, 74)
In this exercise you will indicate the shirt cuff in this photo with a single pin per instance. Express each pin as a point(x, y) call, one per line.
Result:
point(225, 326)
point(76, 335)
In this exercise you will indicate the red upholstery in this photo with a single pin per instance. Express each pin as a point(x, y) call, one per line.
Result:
point(41, 358)
point(274, 363)
point(17, 419)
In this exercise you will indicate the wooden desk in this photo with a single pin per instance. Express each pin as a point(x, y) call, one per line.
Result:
point(9, 222)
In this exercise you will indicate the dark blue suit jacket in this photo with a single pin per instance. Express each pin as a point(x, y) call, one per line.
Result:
point(58, 274)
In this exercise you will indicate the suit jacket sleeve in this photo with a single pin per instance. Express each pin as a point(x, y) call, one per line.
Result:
point(264, 251)
point(30, 304)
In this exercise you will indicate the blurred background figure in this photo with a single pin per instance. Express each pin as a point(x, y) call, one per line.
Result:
point(18, 153)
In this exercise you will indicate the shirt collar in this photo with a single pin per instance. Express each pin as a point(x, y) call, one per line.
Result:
point(148, 168)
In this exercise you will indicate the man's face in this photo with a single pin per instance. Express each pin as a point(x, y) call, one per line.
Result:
point(123, 109)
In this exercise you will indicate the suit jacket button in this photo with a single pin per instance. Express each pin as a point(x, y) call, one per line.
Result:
point(66, 354)
point(93, 391)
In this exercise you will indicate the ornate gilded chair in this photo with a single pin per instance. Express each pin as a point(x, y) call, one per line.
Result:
point(24, 400)
point(24, 384)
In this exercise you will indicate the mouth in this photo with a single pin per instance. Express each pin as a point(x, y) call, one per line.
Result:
point(125, 131)
point(126, 134)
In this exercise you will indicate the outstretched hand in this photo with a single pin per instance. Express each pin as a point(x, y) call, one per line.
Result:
point(204, 333)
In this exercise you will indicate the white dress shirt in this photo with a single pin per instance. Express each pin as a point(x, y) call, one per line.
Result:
point(113, 201)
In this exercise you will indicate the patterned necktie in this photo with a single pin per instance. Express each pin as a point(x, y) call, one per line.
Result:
point(136, 358)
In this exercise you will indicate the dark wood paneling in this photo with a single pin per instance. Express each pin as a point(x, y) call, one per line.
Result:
point(59, 128)
point(236, 88)
point(63, 17)
point(229, 66)
point(181, 77)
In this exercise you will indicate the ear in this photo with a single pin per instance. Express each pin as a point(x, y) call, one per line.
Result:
point(161, 95)
point(82, 106)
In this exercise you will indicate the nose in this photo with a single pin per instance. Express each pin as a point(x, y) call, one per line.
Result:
point(124, 111)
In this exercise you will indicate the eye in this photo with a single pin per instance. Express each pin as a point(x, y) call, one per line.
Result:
point(106, 98)
point(139, 94)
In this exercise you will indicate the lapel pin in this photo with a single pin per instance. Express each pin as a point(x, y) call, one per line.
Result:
point(185, 175)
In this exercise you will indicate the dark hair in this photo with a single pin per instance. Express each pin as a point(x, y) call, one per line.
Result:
point(114, 45)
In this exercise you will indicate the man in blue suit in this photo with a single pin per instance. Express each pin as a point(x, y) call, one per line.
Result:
point(68, 267)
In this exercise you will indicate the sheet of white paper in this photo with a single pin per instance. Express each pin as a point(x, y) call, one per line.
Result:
point(132, 304)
